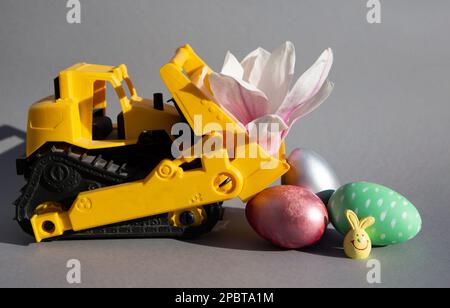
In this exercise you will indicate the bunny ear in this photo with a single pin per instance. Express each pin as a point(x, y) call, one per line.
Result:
point(367, 222)
point(352, 219)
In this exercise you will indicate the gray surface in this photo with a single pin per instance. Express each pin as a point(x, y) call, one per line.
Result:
point(387, 121)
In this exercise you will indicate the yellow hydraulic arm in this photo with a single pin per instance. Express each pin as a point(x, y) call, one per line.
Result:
point(258, 168)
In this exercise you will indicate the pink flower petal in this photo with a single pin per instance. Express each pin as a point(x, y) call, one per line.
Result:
point(232, 67)
point(309, 106)
point(254, 64)
point(277, 75)
point(268, 131)
point(309, 84)
point(241, 99)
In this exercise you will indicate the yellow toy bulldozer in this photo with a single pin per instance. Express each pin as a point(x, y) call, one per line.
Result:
point(88, 177)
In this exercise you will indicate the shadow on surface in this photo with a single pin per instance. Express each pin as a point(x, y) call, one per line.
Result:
point(329, 246)
point(234, 233)
point(11, 183)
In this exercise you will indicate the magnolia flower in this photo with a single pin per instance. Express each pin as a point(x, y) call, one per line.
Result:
point(256, 90)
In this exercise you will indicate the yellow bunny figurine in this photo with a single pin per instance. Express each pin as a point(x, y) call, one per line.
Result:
point(357, 243)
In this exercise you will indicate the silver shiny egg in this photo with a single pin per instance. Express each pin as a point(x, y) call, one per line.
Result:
point(310, 170)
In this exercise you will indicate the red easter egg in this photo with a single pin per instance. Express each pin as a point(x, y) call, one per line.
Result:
point(291, 217)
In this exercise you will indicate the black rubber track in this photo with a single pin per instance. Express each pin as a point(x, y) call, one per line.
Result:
point(60, 172)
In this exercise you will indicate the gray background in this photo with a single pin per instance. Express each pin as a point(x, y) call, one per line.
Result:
point(387, 121)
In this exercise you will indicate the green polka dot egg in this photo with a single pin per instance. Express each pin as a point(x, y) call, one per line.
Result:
point(397, 219)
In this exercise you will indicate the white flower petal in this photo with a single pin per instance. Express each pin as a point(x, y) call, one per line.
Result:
point(272, 122)
point(310, 105)
point(242, 100)
point(268, 130)
point(200, 82)
point(310, 83)
point(277, 75)
point(254, 64)
point(232, 67)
